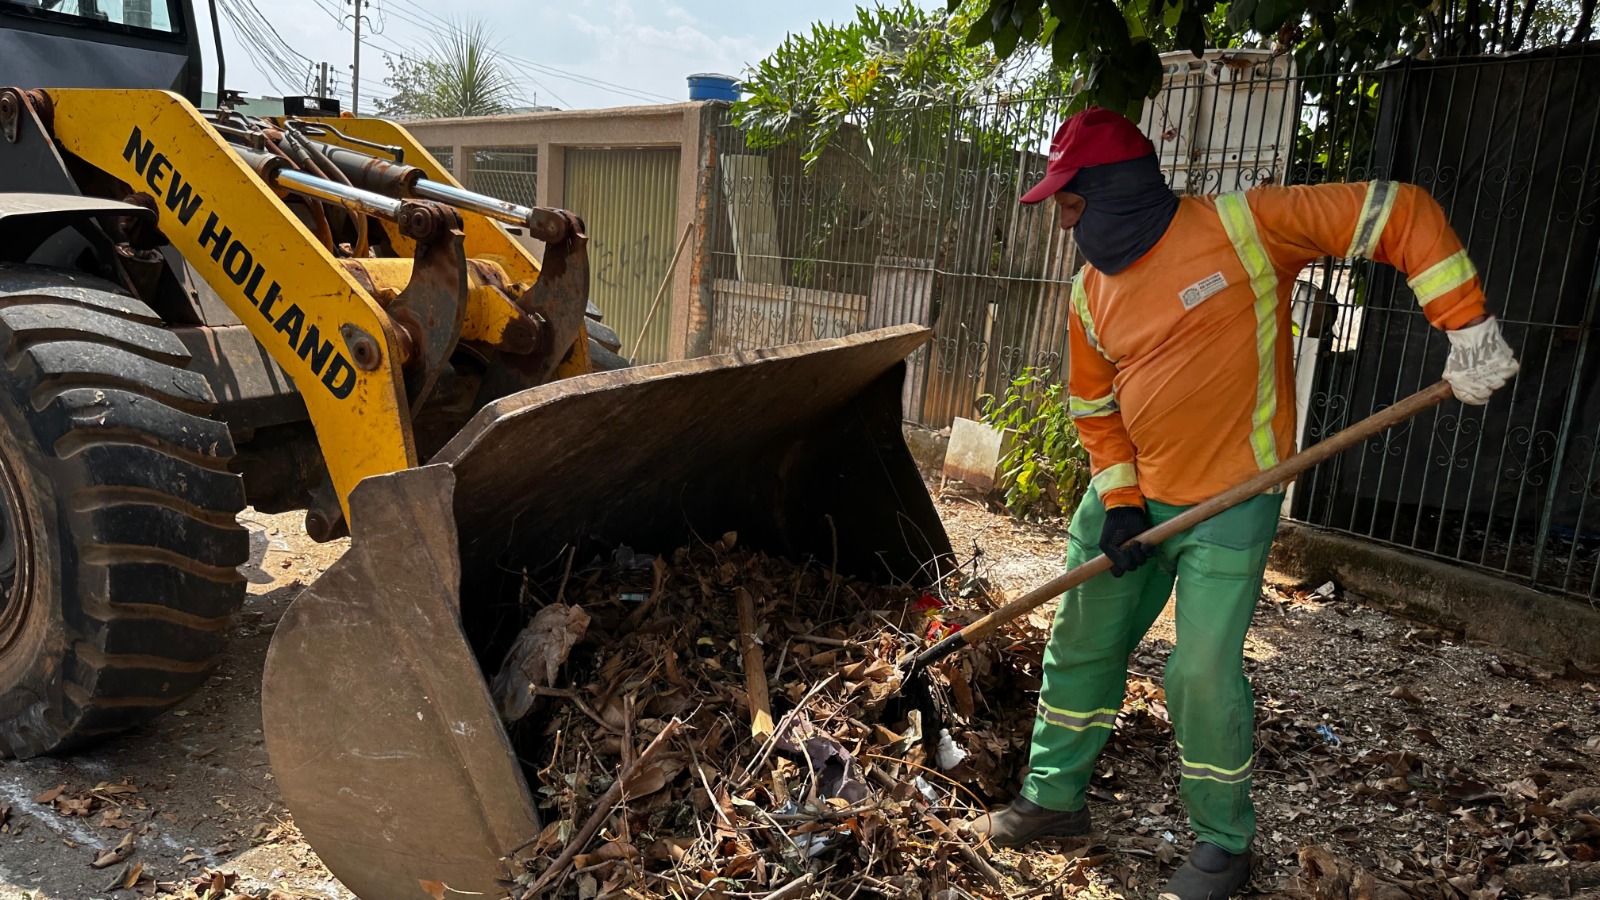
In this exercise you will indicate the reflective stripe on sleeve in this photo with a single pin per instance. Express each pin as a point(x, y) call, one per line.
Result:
point(1077, 721)
point(1374, 215)
point(1240, 224)
point(1080, 305)
point(1443, 277)
point(1120, 475)
point(1079, 408)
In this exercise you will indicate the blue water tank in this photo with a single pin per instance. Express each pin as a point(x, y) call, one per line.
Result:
point(711, 86)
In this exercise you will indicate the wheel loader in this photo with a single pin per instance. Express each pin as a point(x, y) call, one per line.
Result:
point(202, 310)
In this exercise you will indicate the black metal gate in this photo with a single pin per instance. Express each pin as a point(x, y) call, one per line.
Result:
point(1508, 147)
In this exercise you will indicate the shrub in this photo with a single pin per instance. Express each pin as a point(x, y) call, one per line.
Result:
point(1045, 469)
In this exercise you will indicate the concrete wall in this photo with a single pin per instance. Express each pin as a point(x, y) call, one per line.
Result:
point(1479, 606)
point(686, 126)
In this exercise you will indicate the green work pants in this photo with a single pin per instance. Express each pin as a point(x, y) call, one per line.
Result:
point(1217, 566)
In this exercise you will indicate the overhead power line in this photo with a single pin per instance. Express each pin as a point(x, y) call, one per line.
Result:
point(286, 68)
point(588, 81)
point(390, 48)
point(433, 23)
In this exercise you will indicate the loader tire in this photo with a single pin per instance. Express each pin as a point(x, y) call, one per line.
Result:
point(120, 550)
point(604, 344)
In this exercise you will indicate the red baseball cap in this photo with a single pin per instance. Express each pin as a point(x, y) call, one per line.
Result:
point(1094, 137)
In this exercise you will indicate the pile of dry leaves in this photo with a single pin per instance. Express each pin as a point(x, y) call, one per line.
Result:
point(788, 764)
point(778, 757)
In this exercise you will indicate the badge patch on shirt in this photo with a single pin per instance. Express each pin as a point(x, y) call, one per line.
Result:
point(1196, 293)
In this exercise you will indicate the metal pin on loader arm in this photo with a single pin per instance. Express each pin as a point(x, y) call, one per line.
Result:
point(1264, 481)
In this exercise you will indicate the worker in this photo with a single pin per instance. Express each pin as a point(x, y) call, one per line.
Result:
point(1181, 383)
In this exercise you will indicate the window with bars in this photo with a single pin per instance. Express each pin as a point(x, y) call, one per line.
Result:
point(504, 172)
point(445, 155)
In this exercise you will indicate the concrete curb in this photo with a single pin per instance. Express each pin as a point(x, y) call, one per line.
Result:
point(1481, 607)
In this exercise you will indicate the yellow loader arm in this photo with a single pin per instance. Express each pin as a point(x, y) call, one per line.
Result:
point(315, 320)
point(363, 338)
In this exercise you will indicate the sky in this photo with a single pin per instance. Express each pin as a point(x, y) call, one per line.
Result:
point(573, 55)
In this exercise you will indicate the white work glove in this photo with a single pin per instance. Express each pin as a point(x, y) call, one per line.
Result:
point(1480, 361)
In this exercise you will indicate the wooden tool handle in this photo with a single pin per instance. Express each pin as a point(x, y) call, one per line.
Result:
point(1260, 483)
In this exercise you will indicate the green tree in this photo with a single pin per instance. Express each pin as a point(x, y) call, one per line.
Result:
point(460, 74)
point(1115, 44)
point(860, 73)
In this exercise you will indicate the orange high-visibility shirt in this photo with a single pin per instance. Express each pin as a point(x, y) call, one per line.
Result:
point(1181, 376)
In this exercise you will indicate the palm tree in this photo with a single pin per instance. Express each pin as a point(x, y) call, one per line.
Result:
point(462, 74)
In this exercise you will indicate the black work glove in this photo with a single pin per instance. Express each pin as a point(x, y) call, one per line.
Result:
point(1123, 523)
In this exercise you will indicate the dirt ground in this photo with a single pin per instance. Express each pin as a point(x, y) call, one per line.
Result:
point(205, 799)
point(1406, 752)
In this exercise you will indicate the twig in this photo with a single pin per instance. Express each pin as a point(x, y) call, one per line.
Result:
point(602, 811)
point(658, 575)
point(783, 657)
point(828, 641)
point(967, 853)
point(833, 571)
point(755, 668)
point(711, 795)
point(661, 291)
point(627, 729)
point(783, 725)
point(977, 804)
point(793, 888)
point(562, 590)
point(577, 700)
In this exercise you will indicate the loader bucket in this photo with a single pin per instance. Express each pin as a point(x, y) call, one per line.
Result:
point(378, 718)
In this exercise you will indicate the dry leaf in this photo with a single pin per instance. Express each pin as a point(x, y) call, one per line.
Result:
point(1524, 787)
point(537, 656)
point(672, 848)
point(50, 795)
point(1423, 735)
point(1398, 785)
point(116, 854)
point(1166, 852)
point(435, 889)
point(1404, 693)
point(607, 853)
point(653, 777)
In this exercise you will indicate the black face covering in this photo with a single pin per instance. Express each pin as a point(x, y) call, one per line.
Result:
point(1127, 208)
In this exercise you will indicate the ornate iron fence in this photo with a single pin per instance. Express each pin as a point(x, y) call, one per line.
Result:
point(913, 217)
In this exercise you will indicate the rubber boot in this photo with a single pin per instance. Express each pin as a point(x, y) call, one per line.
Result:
point(1211, 873)
point(1024, 822)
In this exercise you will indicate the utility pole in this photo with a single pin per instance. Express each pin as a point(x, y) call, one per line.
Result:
point(322, 80)
point(355, 78)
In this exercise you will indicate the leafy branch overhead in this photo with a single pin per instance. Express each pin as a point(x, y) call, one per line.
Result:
point(1115, 45)
point(819, 82)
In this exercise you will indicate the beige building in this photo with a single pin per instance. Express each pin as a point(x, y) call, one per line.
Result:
point(639, 176)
